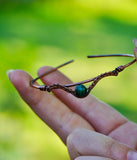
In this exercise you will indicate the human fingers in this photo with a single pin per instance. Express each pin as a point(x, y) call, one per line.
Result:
point(100, 115)
point(84, 142)
point(92, 158)
point(49, 108)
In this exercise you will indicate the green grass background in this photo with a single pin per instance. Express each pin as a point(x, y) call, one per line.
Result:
point(37, 33)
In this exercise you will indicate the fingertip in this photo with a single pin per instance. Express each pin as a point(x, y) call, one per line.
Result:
point(52, 76)
point(21, 81)
point(43, 69)
point(76, 137)
point(75, 134)
point(74, 140)
point(72, 149)
point(135, 42)
point(19, 78)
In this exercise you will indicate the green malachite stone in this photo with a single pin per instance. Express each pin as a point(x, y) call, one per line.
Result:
point(80, 91)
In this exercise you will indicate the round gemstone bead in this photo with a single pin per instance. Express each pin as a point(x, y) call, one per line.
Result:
point(80, 91)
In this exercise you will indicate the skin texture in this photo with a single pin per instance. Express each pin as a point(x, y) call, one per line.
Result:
point(90, 128)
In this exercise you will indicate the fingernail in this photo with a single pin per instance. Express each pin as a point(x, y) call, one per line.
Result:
point(9, 72)
point(132, 155)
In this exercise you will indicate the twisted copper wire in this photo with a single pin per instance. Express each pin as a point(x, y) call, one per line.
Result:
point(95, 80)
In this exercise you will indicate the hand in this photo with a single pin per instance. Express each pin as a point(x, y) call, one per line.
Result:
point(106, 134)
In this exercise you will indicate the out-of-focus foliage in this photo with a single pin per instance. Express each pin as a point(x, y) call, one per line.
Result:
point(36, 33)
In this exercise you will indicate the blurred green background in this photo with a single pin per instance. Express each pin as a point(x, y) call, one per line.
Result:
point(50, 32)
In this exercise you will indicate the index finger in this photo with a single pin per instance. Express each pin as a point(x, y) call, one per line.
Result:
point(49, 108)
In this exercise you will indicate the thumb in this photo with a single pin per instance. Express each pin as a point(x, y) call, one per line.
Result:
point(84, 142)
